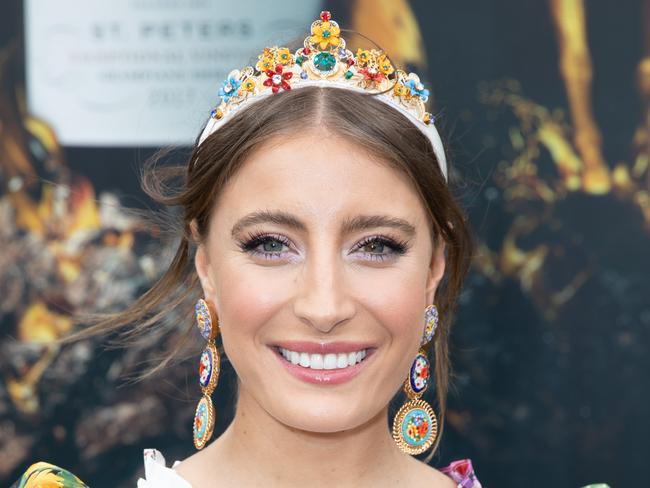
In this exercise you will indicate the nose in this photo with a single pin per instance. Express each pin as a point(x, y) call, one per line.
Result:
point(323, 300)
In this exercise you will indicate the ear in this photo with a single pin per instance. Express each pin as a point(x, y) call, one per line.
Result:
point(436, 270)
point(202, 264)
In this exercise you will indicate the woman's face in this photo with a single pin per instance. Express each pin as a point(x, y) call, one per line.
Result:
point(316, 246)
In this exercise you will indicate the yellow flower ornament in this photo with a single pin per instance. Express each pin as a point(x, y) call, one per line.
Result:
point(385, 66)
point(325, 32)
point(284, 56)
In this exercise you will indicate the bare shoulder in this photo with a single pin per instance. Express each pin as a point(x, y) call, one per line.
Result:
point(429, 477)
point(438, 479)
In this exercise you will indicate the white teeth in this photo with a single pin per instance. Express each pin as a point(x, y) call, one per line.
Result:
point(320, 361)
point(316, 361)
point(304, 359)
point(342, 361)
point(330, 361)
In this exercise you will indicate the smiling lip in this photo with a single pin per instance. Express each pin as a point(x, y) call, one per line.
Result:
point(323, 376)
point(322, 347)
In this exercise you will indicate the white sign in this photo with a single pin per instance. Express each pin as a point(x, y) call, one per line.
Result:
point(144, 72)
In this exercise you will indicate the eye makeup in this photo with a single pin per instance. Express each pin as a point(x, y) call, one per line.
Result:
point(272, 246)
point(254, 240)
point(398, 247)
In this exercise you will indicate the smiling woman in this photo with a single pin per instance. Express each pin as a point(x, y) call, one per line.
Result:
point(324, 249)
point(320, 238)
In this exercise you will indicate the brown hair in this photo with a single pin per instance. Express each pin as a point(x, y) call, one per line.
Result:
point(357, 117)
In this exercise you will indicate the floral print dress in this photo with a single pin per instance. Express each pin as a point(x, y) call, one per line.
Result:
point(158, 475)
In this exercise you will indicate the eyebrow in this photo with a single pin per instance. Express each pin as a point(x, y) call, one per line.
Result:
point(360, 222)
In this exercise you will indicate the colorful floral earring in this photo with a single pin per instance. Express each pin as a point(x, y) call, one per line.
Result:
point(415, 426)
point(430, 324)
point(209, 366)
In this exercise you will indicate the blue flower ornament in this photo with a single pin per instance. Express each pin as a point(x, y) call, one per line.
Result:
point(230, 86)
point(416, 87)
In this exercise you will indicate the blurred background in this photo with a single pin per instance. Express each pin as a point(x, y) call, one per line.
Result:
point(545, 108)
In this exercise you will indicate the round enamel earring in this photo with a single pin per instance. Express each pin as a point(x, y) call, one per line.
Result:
point(415, 426)
point(209, 366)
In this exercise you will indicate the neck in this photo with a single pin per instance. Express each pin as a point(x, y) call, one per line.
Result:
point(285, 456)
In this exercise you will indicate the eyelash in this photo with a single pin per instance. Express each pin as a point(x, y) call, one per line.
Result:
point(253, 240)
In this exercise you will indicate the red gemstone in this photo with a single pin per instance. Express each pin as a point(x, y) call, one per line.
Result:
point(325, 15)
point(350, 61)
point(306, 50)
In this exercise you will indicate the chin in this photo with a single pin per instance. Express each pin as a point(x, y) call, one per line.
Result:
point(317, 414)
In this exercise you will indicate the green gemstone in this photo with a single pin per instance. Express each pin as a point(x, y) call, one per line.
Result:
point(348, 74)
point(324, 61)
point(300, 60)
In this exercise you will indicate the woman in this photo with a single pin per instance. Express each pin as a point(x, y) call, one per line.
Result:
point(322, 244)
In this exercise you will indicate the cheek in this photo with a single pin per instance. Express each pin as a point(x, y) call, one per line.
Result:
point(396, 299)
point(249, 296)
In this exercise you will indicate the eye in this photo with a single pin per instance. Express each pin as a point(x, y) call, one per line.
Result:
point(374, 247)
point(270, 244)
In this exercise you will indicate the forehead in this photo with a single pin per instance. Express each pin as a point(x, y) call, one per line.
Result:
point(321, 178)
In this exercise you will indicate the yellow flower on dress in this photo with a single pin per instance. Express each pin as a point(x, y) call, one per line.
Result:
point(385, 66)
point(46, 475)
point(325, 34)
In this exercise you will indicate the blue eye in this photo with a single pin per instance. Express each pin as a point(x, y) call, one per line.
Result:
point(271, 245)
point(374, 247)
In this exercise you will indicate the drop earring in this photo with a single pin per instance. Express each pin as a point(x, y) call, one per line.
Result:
point(415, 426)
point(209, 366)
point(430, 324)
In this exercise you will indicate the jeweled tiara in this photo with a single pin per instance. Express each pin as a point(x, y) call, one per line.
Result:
point(324, 61)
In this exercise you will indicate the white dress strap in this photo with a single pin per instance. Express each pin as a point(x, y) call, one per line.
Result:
point(157, 475)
